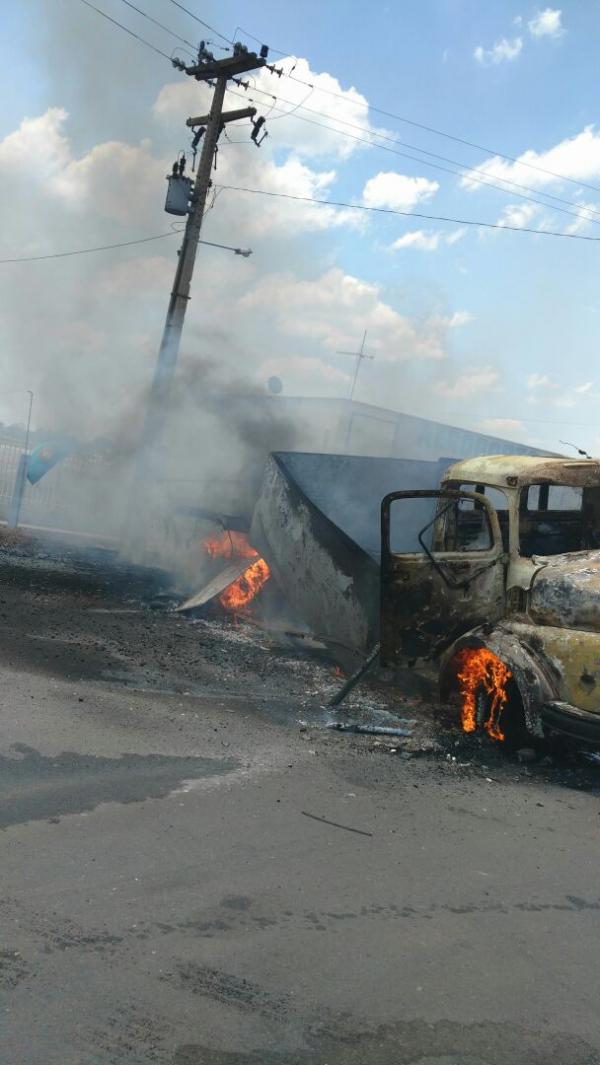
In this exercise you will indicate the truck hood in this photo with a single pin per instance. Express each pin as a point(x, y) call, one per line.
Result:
point(566, 591)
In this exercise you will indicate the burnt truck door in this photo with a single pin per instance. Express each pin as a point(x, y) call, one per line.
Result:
point(442, 571)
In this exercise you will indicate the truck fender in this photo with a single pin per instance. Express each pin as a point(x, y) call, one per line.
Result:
point(531, 680)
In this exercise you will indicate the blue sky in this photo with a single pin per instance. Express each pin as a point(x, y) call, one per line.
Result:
point(489, 329)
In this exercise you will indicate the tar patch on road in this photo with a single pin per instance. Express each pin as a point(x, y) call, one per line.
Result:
point(35, 787)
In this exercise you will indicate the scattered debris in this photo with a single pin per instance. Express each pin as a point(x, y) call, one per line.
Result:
point(526, 755)
point(356, 676)
point(336, 824)
point(371, 730)
point(215, 586)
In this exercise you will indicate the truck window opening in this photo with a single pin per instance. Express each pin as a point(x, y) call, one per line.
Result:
point(499, 502)
point(555, 519)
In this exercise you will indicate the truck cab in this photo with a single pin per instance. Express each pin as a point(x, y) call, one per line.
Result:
point(492, 582)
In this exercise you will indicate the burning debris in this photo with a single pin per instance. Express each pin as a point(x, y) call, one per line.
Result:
point(240, 594)
point(237, 585)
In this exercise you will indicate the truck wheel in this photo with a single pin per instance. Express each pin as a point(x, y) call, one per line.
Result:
point(490, 702)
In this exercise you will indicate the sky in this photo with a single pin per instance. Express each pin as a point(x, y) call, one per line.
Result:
point(493, 329)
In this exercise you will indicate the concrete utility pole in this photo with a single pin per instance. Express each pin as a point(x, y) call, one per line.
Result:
point(219, 71)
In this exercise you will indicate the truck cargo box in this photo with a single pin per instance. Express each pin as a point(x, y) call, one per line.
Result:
point(317, 524)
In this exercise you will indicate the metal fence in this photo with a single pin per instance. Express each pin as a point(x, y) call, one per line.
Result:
point(78, 495)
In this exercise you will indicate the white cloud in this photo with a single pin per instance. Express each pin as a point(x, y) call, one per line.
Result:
point(426, 240)
point(520, 215)
point(417, 239)
point(575, 157)
point(401, 193)
point(292, 178)
point(477, 381)
point(455, 236)
point(546, 23)
point(503, 51)
point(538, 380)
point(501, 425)
point(460, 318)
point(41, 139)
point(334, 309)
point(584, 217)
point(546, 390)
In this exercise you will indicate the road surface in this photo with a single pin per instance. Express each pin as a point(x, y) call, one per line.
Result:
point(188, 880)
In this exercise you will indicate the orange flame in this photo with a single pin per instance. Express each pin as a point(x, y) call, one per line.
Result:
point(242, 592)
point(229, 544)
point(481, 669)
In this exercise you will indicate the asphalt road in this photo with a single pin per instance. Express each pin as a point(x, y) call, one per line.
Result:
point(173, 889)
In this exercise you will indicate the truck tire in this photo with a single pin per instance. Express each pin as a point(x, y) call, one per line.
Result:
point(485, 709)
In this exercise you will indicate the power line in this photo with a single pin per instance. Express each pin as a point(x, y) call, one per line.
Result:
point(160, 25)
point(245, 252)
point(479, 176)
point(448, 136)
point(421, 125)
point(201, 21)
point(114, 21)
point(88, 251)
point(582, 211)
point(408, 214)
point(578, 213)
point(257, 40)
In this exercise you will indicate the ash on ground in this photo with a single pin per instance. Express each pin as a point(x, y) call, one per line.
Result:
point(81, 614)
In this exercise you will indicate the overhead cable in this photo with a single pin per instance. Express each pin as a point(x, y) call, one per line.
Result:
point(408, 214)
point(115, 22)
point(88, 251)
point(160, 25)
point(201, 21)
point(581, 210)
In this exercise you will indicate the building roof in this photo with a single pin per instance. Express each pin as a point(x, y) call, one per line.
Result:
point(502, 470)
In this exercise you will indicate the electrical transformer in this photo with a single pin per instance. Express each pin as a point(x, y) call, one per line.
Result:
point(178, 194)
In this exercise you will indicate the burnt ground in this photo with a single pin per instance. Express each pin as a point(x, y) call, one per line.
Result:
point(195, 871)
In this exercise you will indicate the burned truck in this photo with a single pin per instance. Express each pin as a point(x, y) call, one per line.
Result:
point(485, 578)
point(501, 593)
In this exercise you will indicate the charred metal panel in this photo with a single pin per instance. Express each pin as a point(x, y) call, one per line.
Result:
point(429, 599)
point(566, 592)
point(421, 614)
point(348, 489)
point(317, 524)
point(570, 658)
point(510, 470)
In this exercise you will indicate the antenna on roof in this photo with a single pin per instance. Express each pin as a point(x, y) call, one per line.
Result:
point(579, 450)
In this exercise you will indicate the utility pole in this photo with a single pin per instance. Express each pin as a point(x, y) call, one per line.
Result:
point(217, 72)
